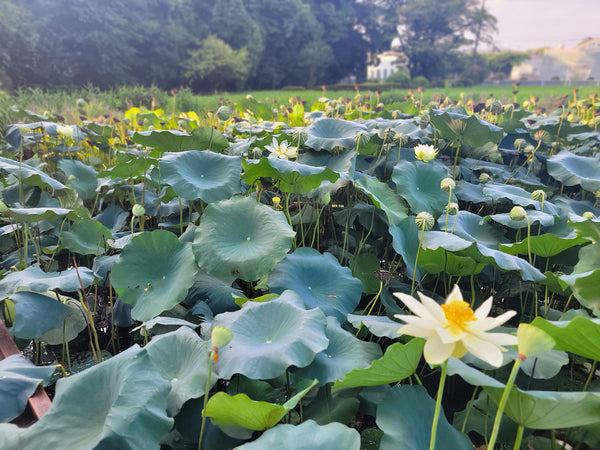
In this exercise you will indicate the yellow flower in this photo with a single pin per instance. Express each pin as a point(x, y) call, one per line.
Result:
point(453, 329)
point(281, 150)
point(425, 152)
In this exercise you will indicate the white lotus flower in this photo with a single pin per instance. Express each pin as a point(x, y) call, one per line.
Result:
point(281, 150)
point(425, 152)
point(64, 130)
point(453, 329)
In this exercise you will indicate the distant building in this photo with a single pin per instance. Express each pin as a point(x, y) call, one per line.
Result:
point(386, 63)
point(581, 63)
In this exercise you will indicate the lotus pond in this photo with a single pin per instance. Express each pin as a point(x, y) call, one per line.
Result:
point(238, 278)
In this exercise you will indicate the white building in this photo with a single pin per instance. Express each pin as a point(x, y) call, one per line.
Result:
point(385, 64)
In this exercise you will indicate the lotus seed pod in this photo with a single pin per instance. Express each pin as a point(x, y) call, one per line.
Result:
point(447, 184)
point(300, 135)
point(538, 195)
point(424, 121)
point(485, 178)
point(401, 138)
point(388, 136)
point(543, 136)
point(341, 109)
point(220, 336)
point(424, 221)
point(518, 213)
point(138, 210)
point(529, 149)
point(362, 137)
point(80, 103)
point(452, 209)
point(588, 215)
point(276, 201)
point(520, 143)
point(224, 112)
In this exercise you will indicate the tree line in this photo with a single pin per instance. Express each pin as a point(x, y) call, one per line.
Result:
point(229, 44)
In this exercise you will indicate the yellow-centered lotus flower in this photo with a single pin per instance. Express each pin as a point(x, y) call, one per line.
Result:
point(64, 130)
point(281, 150)
point(425, 152)
point(453, 329)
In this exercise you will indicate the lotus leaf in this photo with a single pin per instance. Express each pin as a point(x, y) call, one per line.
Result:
point(326, 134)
point(580, 335)
point(38, 281)
point(86, 237)
point(80, 176)
point(571, 169)
point(378, 325)
point(384, 198)
point(31, 175)
point(201, 138)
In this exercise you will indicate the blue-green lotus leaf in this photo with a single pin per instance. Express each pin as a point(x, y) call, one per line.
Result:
point(291, 176)
point(571, 169)
point(339, 163)
point(215, 292)
point(344, 353)
point(270, 337)
point(71, 325)
point(319, 280)
point(307, 435)
point(405, 418)
point(545, 245)
point(378, 325)
point(418, 183)
point(545, 365)
point(201, 138)
point(112, 217)
point(80, 176)
point(469, 192)
point(182, 358)
point(20, 378)
point(517, 196)
point(37, 280)
point(469, 129)
point(326, 134)
point(119, 403)
point(29, 215)
point(384, 198)
point(205, 175)
point(241, 238)
point(153, 273)
point(472, 228)
point(405, 240)
point(86, 237)
point(31, 176)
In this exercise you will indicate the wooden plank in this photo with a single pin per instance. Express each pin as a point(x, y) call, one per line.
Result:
point(39, 402)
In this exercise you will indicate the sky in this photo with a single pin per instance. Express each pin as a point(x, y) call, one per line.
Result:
point(530, 24)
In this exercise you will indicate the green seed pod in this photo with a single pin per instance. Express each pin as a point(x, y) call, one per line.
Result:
point(424, 221)
point(518, 213)
point(588, 215)
point(362, 137)
point(300, 135)
point(224, 112)
point(447, 184)
point(538, 195)
point(485, 178)
point(452, 209)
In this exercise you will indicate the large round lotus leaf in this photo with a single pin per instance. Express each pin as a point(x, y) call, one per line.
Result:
point(31, 175)
point(73, 323)
point(183, 359)
point(216, 293)
point(81, 177)
point(344, 353)
point(153, 273)
point(270, 337)
point(202, 138)
point(20, 378)
point(419, 184)
point(38, 281)
point(384, 198)
point(242, 238)
point(30, 215)
point(470, 130)
point(319, 280)
point(571, 169)
point(36, 314)
point(338, 163)
point(291, 176)
point(86, 237)
point(405, 418)
point(119, 403)
point(471, 227)
point(518, 196)
point(307, 435)
point(205, 175)
point(326, 134)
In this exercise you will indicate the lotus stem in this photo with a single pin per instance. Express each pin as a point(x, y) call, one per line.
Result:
point(412, 288)
point(519, 437)
point(438, 406)
point(206, 393)
point(504, 399)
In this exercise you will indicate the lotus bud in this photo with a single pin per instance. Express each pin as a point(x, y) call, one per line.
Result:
point(518, 213)
point(447, 184)
point(533, 341)
point(424, 121)
point(520, 143)
point(538, 195)
point(529, 149)
point(542, 136)
point(138, 210)
point(220, 337)
point(424, 221)
point(588, 215)
point(452, 209)
point(300, 135)
point(224, 112)
point(362, 137)
point(485, 178)
point(64, 130)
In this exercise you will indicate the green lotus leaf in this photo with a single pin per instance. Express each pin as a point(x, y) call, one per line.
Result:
point(585, 276)
point(469, 192)
point(405, 240)
point(270, 337)
point(80, 176)
point(129, 407)
point(327, 407)
point(384, 198)
point(29, 215)
point(439, 260)
point(587, 229)
point(571, 169)
point(418, 183)
point(228, 411)
point(86, 237)
point(201, 138)
point(161, 321)
point(546, 220)
point(307, 435)
point(541, 410)
point(326, 134)
point(205, 175)
point(291, 176)
point(469, 130)
point(400, 361)
point(517, 196)
point(580, 335)
point(405, 418)
point(545, 245)
point(38, 281)
point(344, 353)
point(363, 267)
point(69, 328)
point(36, 314)
point(182, 358)
point(338, 163)
point(241, 238)
point(215, 292)
point(378, 325)
point(153, 273)
point(31, 176)
point(320, 281)
point(545, 365)
point(113, 217)
point(20, 378)
point(129, 166)
point(471, 227)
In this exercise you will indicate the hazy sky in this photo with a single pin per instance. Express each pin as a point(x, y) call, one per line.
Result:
point(529, 24)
